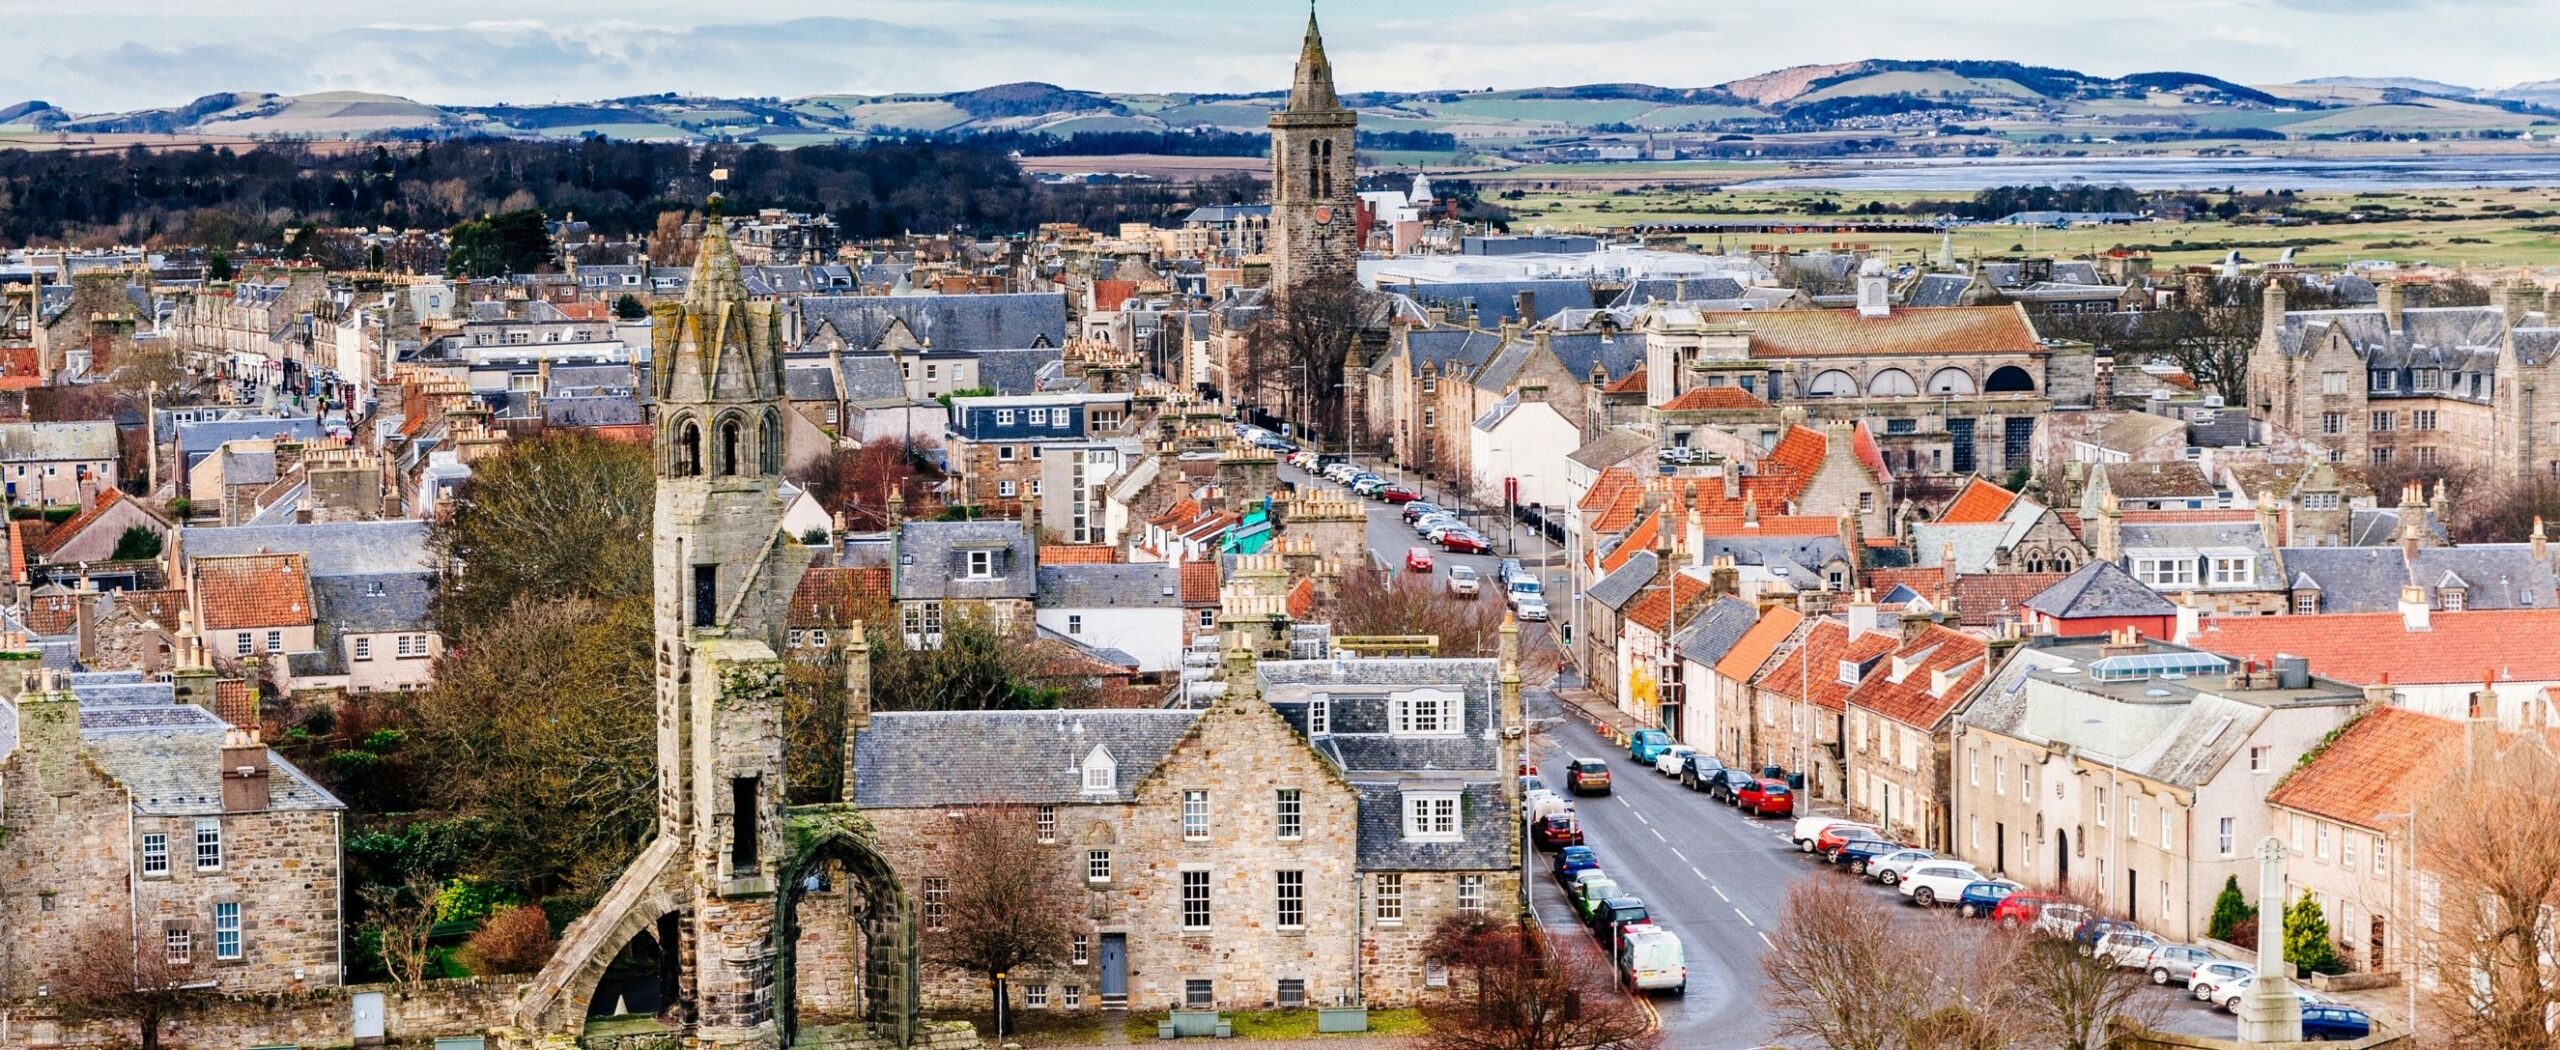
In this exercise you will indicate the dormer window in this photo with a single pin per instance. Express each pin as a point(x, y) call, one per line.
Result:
point(982, 565)
point(1848, 672)
point(1427, 712)
point(1101, 774)
point(1431, 816)
point(2451, 598)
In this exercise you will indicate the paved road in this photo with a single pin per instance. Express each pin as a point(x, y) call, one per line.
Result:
point(1389, 536)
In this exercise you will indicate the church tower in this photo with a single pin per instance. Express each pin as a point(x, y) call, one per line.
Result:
point(723, 572)
point(1314, 200)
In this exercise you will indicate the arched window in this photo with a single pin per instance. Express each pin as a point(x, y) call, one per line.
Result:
point(1315, 168)
point(1951, 380)
point(1893, 382)
point(772, 444)
point(688, 449)
point(1833, 383)
point(2010, 379)
point(1326, 169)
point(729, 446)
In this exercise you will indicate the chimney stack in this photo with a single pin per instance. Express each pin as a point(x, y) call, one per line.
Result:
point(2480, 730)
point(1862, 615)
point(2189, 620)
point(2271, 310)
point(2413, 607)
point(244, 772)
point(2393, 299)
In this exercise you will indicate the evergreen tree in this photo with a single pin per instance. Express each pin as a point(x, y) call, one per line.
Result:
point(2306, 937)
point(217, 266)
point(2229, 910)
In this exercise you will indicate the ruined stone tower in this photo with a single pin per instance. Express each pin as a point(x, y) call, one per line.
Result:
point(1314, 200)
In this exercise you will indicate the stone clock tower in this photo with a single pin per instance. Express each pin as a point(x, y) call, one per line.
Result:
point(1314, 203)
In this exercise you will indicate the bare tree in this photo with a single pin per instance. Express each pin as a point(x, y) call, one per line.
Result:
point(1376, 603)
point(143, 981)
point(2070, 998)
point(1296, 353)
point(1509, 989)
point(1006, 902)
point(405, 916)
point(2487, 895)
point(1842, 975)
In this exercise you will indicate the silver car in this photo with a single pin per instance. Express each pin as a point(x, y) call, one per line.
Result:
point(2175, 962)
point(2215, 974)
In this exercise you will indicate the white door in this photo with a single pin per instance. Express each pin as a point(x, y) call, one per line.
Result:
point(368, 1017)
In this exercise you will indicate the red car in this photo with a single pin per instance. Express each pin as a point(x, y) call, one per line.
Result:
point(1398, 494)
point(1838, 835)
point(1558, 830)
point(1766, 798)
point(2019, 909)
point(1466, 543)
point(1418, 559)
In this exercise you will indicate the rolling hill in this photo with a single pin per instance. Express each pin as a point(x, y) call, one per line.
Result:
point(1866, 94)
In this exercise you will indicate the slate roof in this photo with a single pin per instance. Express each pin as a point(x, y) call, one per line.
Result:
point(2176, 480)
point(1137, 585)
point(1715, 630)
point(371, 604)
point(1676, 290)
point(2180, 736)
point(1938, 289)
point(2100, 589)
point(873, 379)
point(1015, 371)
point(943, 322)
point(952, 758)
point(1615, 590)
point(1497, 301)
point(1616, 357)
point(2372, 773)
point(351, 548)
point(1483, 836)
point(930, 562)
point(1611, 447)
point(2368, 579)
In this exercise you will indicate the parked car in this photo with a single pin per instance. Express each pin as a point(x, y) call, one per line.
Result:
point(1508, 571)
point(1727, 785)
point(1437, 528)
point(1645, 745)
point(1837, 835)
point(1414, 511)
point(1465, 541)
point(1699, 770)
point(1588, 890)
point(1531, 782)
point(1531, 609)
point(1587, 776)
point(1417, 559)
point(1808, 828)
point(1398, 494)
point(2129, 949)
point(1855, 854)
point(1521, 589)
point(2176, 962)
point(1980, 899)
point(2059, 919)
point(1558, 830)
point(2229, 995)
point(1615, 913)
point(1888, 869)
point(2215, 974)
point(1766, 798)
point(1536, 805)
point(1463, 582)
point(2329, 1021)
point(1650, 959)
point(1673, 759)
point(1938, 880)
point(1367, 485)
point(1572, 859)
point(2096, 928)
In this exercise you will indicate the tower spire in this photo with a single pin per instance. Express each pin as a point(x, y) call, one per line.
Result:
point(1312, 90)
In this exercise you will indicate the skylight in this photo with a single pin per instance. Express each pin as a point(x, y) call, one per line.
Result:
point(2149, 665)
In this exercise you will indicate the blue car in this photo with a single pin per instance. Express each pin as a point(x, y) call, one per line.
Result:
point(1980, 898)
point(1646, 745)
point(2335, 1022)
point(1856, 852)
point(1572, 859)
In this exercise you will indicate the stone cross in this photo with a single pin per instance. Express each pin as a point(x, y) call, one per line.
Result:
point(2269, 1013)
point(2271, 853)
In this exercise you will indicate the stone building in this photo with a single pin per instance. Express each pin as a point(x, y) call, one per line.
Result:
point(1291, 844)
point(1315, 206)
point(1897, 742)
point(136, 816)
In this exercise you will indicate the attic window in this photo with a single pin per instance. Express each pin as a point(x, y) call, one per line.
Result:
point(1849, 672)
point(1101, 774)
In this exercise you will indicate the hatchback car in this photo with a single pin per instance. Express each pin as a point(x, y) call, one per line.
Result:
point(1587, 776)
point(1728, 784)
point(1936, 881)
point(2129, 949)
point(2331, 1021)
point(1889, 867)
point(1558, 830)
point(2215, 974)
point(1368, 485)
point(1463, 582)
point(1615, 913)
point(2097, 928)
point(1530, 610)
point(1417, 559)
point(1856, 854)
point(1415, 510)
point(1980, 899)
point(1572, 859)
point(1398, 494)
point(1464, 541)
point(1673, 759)
point(2175, 963)
point(2060, 920)
point(2228, 996)
point(1838, 835)
point(1645, 745)
point(1700, 769)
point(1766, 798)
point(2020, 909)
point(1588, 890)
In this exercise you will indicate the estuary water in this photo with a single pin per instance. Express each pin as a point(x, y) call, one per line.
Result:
point(2335, 174)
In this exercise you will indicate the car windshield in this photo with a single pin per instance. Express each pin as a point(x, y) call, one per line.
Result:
point(1461, 572)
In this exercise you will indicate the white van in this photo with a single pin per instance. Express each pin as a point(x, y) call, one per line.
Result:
point(1650, 958)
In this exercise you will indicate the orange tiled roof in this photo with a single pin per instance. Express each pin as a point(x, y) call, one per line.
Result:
point(160, 606)
point(1654, 607)
point(1713, 397)
point(1981, 503)
point(1862, 444)
point(1614, 500)
point(1845, 333)
point(2375, 770)
point(1302, 598)
point(1076, 554)
point(19, 362)
point(1746, 656)
point(1632, 383)
point(1814, 667)
point(2363, 648)
point(56, 537)
point(53, 614)
point(1927, 583)
point(1983, 597)
point(831, 596)
point(253, 590)
point(1108, 295)
point(1910, 701)
point(1183, 512)
point(231, 702)
point(17, 552)
point(1647, 536)
point(1200, 583)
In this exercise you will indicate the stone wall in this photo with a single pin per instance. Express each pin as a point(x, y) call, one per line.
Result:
point(1391, 956)
point(281, 868)
point(321, 1017)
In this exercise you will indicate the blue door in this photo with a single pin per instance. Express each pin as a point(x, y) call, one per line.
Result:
point(1115, 966)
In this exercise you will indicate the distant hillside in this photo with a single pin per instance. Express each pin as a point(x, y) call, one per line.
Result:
point(2011, 97)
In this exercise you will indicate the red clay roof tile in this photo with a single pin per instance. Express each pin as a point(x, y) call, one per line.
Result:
point(253, 590)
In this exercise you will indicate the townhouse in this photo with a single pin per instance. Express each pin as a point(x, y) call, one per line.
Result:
point(1899, 748)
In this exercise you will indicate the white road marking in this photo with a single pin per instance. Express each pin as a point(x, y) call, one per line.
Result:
point(1639, 814)
point(1764, 939)
point(1746, 920)
point(1622, 800)
point(1675, 851)
point(1657, 834)
point(1719, 891)
point(1702, 876)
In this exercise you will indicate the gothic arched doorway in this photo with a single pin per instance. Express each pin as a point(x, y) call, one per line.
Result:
point(832, 864)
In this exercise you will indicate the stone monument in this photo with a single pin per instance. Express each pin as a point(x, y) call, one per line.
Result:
point(2270, 1013)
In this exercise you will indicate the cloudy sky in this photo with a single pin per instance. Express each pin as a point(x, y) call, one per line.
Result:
point(97, 55)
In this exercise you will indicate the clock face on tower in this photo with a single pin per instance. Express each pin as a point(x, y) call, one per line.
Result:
point(1324, 214)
